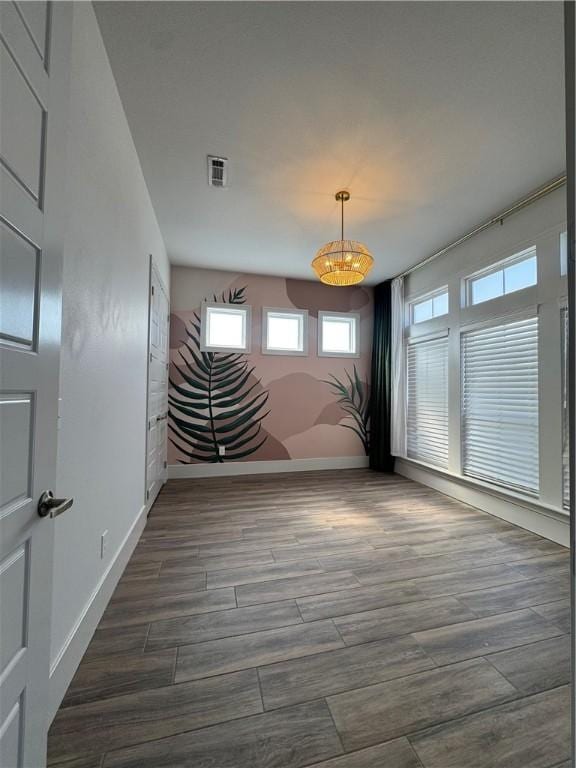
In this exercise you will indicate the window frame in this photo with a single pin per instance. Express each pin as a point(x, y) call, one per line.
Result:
point(245, 309)
point(500, 266)
point(301, 314)
point(414, 342)
point(495, 321)
point(339, 315)
point(430, 295)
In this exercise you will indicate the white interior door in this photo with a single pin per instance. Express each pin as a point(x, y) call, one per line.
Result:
point(159, 319)
point(34, 44)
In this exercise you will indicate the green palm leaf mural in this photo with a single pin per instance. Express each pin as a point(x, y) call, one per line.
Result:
point(355, 401)
point(215, 405)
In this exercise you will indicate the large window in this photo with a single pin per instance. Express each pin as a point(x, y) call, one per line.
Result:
point(338, 335)
point(427, 400)
point(284, 332)
point(506, 363)
point(500, 404)
point(430, 306)
point(509, 276)
point(225, 328)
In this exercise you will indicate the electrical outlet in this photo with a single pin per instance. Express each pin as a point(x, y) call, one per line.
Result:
point(221, 450)
point(103, 544)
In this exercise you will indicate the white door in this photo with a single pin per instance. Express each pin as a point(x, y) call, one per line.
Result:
point(159, 319)
point(34, 45)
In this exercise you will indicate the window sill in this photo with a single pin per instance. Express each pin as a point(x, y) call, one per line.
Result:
point(512, 497)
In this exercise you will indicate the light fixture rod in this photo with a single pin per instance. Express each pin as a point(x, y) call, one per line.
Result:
point(551, 186)
point(343, 196)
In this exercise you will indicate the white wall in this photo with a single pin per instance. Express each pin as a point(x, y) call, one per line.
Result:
point(111, 231)
point(539, 224)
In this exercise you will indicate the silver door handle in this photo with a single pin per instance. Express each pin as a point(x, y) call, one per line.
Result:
point(48, 506)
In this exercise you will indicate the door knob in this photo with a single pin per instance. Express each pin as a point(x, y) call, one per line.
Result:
point(48, 506)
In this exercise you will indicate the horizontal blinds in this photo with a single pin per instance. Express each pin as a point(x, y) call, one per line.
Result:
point(565, 423)
point(500, 404)
point(427, 401)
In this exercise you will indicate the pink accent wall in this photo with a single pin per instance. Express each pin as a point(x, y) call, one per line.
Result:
point(305, 419)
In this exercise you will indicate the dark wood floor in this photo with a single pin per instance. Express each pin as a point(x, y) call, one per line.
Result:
point(341, 620)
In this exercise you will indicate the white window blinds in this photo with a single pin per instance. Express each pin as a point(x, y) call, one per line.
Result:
point(427, 401)
point(565, 422)
point(500, 404)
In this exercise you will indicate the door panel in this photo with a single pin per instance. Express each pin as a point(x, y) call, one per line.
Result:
point(20, 44)
point(15, 450)
point(32, 128)
point(11, 737)
point(35, 18)
point(13, 588)
point(19, 262)
point(21, 126)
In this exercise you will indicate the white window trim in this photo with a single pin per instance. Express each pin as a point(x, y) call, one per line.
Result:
point(499, 491)
point(502, 317)
point(510, 317)
point(425, 297)
point(346, 315)
point(498, 266)
point(428, 336)
point(300, 313)
point(206, 305)
point(415, 341)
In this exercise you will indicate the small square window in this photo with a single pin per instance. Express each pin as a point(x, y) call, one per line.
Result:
point(432, 305)
point(225, 328)
point(338, 335)
point(284, 332)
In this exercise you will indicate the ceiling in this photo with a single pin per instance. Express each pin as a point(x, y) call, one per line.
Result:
point(434, 115)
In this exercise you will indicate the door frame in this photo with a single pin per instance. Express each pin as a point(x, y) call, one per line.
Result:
point(570, 107)
point(154, 272)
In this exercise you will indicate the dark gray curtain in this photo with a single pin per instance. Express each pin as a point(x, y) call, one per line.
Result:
point(380, 457)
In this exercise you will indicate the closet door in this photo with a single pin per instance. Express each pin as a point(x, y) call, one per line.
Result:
point(159, 319)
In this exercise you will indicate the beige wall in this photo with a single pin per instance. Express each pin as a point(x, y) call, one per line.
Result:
point(305, 420)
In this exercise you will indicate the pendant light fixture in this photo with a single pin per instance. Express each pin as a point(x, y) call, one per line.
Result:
point(342, 262)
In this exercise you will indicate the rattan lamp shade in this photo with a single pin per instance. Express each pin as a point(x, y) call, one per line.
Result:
point(342, 262)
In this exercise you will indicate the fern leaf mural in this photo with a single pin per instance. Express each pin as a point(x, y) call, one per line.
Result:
point(354, 400)
point(215, 405)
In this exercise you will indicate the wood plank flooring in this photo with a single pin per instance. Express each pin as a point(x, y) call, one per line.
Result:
point(331, 619)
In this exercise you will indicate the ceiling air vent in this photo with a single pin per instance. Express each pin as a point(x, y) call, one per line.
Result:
point(217, 171)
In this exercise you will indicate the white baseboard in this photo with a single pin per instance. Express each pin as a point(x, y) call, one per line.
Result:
point(179, 471)
point(547, 522)
point(70, 655)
